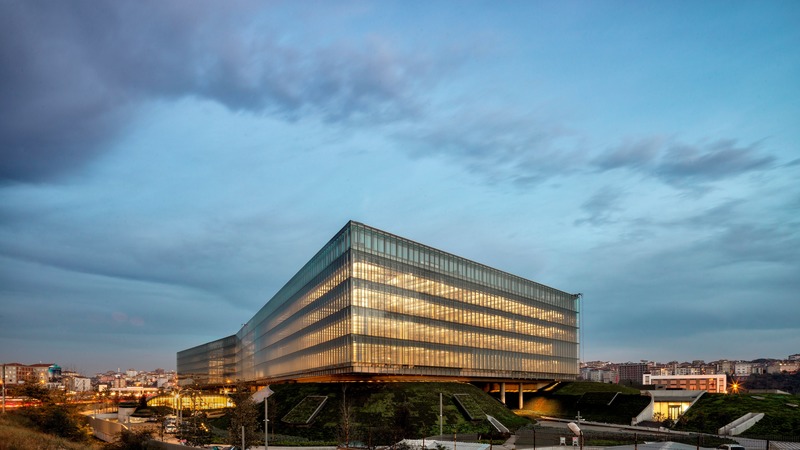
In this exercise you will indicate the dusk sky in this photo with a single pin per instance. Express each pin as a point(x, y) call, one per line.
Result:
point(166, 166)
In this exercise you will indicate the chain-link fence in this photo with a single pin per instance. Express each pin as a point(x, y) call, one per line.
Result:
point(530, 438)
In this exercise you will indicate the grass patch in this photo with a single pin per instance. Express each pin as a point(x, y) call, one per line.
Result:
point(713, 411)
point(599, 402)
point(470, 406)
point(384, 413)
point(306, 410)
point(14, 435)
point(583, 387)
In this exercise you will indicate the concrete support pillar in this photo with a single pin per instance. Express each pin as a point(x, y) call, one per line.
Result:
point(503, 393)
point(520, 396)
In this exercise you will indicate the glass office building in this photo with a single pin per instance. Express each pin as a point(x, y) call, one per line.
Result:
point(372, 305)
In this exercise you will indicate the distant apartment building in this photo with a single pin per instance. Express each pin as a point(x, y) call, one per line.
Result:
point(742, 369)
point(608, 376)
point(632, 372)
point(599, 375)
point(795, 357)
point(784, 366)
point(11, 373)
point(687, 370)
point(715, 383)
point(16, 373)
point(661, 371)
point(724, 366)
point(79, 384)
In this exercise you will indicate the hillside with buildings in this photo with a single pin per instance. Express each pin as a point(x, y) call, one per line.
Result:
point(130, 383)
point(716, 376)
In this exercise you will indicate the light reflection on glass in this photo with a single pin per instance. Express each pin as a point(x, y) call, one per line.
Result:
point(371, 302)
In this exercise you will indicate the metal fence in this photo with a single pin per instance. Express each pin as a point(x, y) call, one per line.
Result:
point(531, 438)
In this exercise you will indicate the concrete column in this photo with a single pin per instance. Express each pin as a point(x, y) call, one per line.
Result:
point(503, 393)
point(520, 396)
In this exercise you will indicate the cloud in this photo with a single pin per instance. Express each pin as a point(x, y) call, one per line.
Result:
point(71, 75)
point(632, 154)
point(683, 165)
point(55, 112)
point(498, 145)
point(686, 164)
point(507, 146)
point(601, 206)
point(738, 231)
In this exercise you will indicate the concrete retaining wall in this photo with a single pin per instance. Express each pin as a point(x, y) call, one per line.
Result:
point(647, 412)
point(104, 430)
point(741, 424)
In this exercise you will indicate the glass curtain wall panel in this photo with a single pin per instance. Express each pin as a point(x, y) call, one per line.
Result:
point(372, 303)
point(418, 310)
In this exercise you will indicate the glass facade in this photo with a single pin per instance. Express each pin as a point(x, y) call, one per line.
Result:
point(211, 363)
point(372, 304)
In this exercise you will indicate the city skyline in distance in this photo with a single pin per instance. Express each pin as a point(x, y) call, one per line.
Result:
point(163, 174)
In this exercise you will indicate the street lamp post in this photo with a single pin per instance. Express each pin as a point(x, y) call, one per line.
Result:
point(4, 388)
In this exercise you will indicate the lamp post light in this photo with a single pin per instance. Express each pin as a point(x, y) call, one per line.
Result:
point(177, 406)
point(4, 388)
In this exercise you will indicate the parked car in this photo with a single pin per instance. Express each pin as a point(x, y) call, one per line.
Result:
point(731, 447)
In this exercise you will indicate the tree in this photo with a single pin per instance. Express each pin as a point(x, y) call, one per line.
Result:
point(244, 414)
point(402, 420)
point(346, 422)
point(34, 391)
point(52, 416)
point(195, 430)
point(130, 440)
point(142, 402)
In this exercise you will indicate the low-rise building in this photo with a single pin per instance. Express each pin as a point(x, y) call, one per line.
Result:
point(715, 383)
point(724, 366)
point(16, 373)
point(79, 384)
point(784, 366)
point(632, 371)
point(672, 404)
point(742, 369)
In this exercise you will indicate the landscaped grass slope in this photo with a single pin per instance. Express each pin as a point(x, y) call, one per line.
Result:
point(713, 411)
point(582, 387)
point(384, 412)
point(14, 436)
point(589, 399)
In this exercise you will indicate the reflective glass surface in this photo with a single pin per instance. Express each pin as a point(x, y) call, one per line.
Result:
point(370, 302)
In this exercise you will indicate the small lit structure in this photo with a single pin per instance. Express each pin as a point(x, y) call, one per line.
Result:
point(671, 404)
point(196, 401)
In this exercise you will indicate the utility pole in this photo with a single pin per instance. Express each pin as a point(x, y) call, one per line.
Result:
point(267, 392)
point(440, 413)
point(4, 388)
